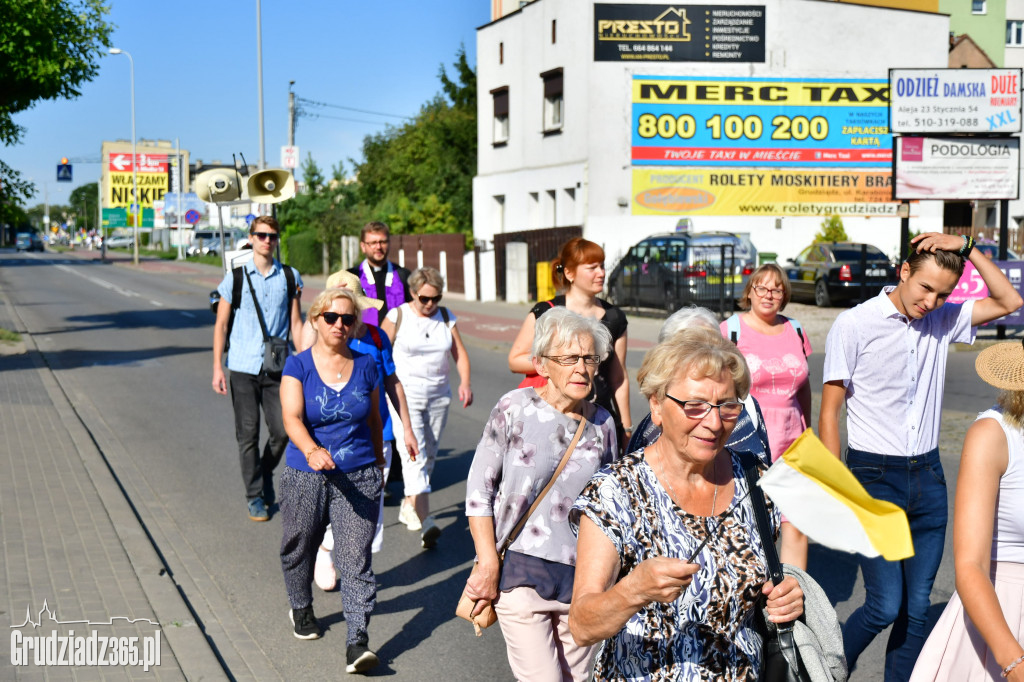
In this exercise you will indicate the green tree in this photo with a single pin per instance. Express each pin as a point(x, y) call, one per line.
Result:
point(832, 230)
point(84, 202)
point(434, 155)
point(48, 50)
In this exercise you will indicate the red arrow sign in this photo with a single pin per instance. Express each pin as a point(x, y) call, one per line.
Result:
point(120, 162)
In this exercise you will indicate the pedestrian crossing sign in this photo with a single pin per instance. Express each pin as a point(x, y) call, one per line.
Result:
point(63, 172)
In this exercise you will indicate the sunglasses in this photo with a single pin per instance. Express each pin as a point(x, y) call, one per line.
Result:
point(347, 319)
point(429, 299)
point(266, 236)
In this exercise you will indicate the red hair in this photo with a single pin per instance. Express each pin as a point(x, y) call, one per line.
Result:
point(575, 252)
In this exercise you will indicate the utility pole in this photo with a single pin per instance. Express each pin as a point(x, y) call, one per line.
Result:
point(259, 80)
point(291, 118)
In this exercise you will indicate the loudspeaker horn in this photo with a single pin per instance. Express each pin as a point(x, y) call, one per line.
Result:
point(271, 186)
point(219, 185)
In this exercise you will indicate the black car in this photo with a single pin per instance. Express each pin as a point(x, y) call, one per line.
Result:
point(681, 268)
point(829, 272)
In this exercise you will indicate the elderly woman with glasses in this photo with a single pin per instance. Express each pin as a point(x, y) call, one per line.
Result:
point(334, 471)
point(423, 334)
point(776, 349)
point(523, 443)
point(670, 568)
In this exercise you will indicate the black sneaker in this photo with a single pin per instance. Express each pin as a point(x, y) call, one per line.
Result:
point(360, 658)
point(305, 623)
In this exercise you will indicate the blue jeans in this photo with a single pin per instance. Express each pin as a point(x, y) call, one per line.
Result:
point(898, 593)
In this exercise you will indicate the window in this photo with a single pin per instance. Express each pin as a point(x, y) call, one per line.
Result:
point(554, 34)
point(500, 96)
point(553, 102)
point(501, 53)
point(978, 7)
point(1015, 33)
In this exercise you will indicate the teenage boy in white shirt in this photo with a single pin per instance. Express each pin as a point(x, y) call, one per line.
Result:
point(886, 359)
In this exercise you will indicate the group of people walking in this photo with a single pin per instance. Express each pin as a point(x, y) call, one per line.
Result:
point(608, 553)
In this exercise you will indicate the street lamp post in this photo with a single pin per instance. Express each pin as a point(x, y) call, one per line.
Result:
point(135, 162)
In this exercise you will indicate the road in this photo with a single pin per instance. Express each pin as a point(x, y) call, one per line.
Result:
point(131, 349)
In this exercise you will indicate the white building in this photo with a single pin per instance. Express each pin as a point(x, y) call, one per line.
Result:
point(557, 128)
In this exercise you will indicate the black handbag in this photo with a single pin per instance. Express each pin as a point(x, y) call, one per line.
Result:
point(780, 655)
point(275, 349)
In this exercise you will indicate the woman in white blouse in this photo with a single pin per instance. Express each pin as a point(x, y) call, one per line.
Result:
point(423, 334)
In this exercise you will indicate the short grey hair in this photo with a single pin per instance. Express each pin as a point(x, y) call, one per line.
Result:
point(695, 352)
point(687, 318)
point(425, 275)
point(560, 326)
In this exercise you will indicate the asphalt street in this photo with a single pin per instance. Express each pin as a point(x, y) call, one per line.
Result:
point(130, 347)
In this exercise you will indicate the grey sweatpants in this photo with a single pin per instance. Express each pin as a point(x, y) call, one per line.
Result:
point(349, 501)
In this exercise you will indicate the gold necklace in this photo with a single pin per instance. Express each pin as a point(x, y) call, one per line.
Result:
point(671, 490)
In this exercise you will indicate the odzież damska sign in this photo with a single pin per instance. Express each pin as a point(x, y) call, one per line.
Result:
point(679, 33)
point(928, 101)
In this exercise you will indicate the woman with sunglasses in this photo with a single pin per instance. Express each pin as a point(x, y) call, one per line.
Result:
point(776, 350)
point(423, 334)
point(334, 471)
point(578, 272)
point(671, 605)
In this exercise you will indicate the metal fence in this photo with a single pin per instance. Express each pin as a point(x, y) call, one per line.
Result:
point(542, 245)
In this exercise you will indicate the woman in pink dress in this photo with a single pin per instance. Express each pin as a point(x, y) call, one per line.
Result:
point(980, 633)
point(776, 350)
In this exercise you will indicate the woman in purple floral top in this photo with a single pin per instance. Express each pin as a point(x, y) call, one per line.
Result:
point(525, 438)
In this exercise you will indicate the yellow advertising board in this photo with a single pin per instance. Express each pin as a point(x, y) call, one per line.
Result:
point(745, 192)
point(152, 187)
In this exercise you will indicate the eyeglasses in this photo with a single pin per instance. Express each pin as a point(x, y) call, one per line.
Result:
point(373, 245)
point(571, 360)
point(698, 409)
point(347, 319)
point(265, 236)
point(429, 299)
point(764, 291)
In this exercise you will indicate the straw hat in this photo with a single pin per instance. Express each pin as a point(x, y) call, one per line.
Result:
point(346, 280)
point(1002, 365)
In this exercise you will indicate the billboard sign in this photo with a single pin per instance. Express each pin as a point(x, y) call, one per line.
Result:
point(971, 287)
point(679, 33)
point(761, 122)
point(955, 101)
point(752, 192)
point(957, 168)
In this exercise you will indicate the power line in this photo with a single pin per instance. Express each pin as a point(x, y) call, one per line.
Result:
point(343, 118)
point(314, 103)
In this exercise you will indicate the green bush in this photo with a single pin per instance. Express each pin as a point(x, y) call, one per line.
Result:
point(302, 251)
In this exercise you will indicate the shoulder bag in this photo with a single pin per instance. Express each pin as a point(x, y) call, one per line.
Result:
point(275, 349)
point(806, 650)
point(487, 617)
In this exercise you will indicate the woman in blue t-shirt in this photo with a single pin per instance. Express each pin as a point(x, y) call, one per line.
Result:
point(334, 471)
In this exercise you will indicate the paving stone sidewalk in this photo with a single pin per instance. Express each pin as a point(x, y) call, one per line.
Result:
point(76, 560)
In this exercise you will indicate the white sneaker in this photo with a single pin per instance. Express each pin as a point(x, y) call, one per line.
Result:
point(430, 533)
point(407, 515)
point(324, 575)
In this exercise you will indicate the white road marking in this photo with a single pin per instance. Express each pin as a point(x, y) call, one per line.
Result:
point(158, 304)
point(103, 283)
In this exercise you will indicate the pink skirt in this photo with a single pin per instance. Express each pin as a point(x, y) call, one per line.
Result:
point(955, 650)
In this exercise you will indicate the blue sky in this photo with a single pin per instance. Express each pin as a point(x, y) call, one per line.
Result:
point(195, 79)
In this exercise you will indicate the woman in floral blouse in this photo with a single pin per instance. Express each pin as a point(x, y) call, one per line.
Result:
point(670, 606)
point(523, 442)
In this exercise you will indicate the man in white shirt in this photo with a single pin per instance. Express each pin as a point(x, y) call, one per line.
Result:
point(886, 359)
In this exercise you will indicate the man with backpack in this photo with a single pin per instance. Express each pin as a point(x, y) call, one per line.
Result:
point(381, 279)
point(258, 309)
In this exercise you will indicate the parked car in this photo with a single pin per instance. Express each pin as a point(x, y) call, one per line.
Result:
point(991, 249)
point(121, 242)
point(208, 242)
point(829, 272)
point(681, 268)
point(28, 241)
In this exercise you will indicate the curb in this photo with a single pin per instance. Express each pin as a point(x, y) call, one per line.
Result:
point(192, 651)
